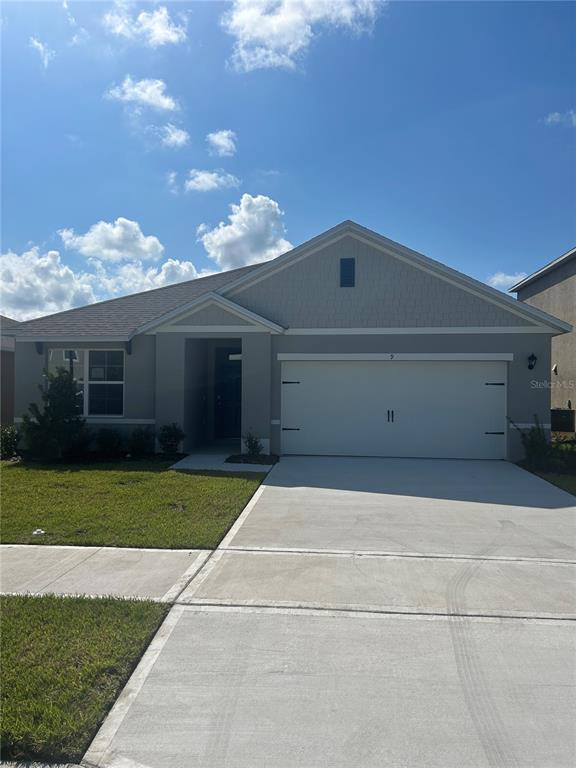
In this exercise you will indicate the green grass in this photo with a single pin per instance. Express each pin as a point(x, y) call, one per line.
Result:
point(566, 482)
point(121, 504)
point(64, 661)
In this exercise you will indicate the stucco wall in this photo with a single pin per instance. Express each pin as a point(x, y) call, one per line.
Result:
point(168, 358)
point(7, 387)
point(555, 293)
point(139, 375)
point(389, 293)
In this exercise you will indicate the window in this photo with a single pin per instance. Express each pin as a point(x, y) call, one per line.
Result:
point(105, 383)
point(99, 375)
point(347, 273)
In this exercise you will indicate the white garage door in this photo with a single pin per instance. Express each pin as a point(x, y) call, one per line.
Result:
point(394, 408)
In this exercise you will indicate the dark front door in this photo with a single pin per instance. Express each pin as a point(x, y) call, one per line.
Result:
point(227, 393)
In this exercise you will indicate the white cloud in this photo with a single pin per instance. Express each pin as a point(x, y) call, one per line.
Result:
point(174, 137)
point(567, 118)
point(152, 28)
point(135, 277)
point(503, 281)
point(275, 33)
point(35, 283)
point(254, 233)
point(147, 93)
point(46, 54)
point(172, 182)
point(80, 34)
point(222, 143)
point(121, 240)
point(207, 181)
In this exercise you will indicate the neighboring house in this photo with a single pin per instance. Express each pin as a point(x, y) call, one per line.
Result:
point(349, 344)
point(553, 289)
point(7, 370)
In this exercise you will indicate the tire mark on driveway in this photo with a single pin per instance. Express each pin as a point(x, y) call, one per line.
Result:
point(475, 685)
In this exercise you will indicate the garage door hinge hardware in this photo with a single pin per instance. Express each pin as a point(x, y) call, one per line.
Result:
point(493, 433)
point(290, 382)
point(290, 429)
point(494, 383)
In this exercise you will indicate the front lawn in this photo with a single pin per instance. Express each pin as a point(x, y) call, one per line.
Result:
point(64, 661)
point(566, 482)
point(123, 504)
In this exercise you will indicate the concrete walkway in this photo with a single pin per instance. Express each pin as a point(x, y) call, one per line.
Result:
point(365, 613)
point(216, 462)
point(157, 574)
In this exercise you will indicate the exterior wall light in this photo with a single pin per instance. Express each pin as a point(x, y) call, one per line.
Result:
point(532, 362)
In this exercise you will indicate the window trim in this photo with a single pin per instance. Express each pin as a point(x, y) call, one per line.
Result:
point(348, 262)
point(87, 382)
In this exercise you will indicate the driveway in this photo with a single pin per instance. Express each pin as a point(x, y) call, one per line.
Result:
point(366, 612)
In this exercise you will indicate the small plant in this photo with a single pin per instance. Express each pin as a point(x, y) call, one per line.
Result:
point(109, 443)
point(8, 442)
point(170, 436)
point(141, 442)
point(539, 452)
point(56, 430)
point(253, 445)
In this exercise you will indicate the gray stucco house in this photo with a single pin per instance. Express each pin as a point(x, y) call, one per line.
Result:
point(553, 289)
point(349, 344)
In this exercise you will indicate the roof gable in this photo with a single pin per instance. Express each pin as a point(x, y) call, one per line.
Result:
point(526, 314)
point(212, 312)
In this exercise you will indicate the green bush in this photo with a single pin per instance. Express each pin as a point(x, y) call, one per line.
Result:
point(109, 443)
point(541, 454)
point(56, 430)
point(141, 442)
point(8, 441)
point(170, 436)
point(253, 445)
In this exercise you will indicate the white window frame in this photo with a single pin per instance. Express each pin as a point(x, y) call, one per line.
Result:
point(87, 382)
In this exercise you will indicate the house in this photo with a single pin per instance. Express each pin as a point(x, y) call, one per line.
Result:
point(553, 289)
point(6, 370)
point(348, 344)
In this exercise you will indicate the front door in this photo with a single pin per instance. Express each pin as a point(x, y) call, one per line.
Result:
point(227, 393)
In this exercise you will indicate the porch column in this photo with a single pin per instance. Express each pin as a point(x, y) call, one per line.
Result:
point(170, 367)
point(256, 387)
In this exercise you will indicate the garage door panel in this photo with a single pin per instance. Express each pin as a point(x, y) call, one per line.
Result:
point(384, 408)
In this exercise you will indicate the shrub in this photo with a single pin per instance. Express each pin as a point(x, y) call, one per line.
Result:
point(253, 445)
point(539, 453)
point(109, 442)
point(141, 442)
point(56, 430)
point(8, 441)
point(170, 436)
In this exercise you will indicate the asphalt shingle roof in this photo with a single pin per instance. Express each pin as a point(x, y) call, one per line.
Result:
point(124, 315)
point(7, 322)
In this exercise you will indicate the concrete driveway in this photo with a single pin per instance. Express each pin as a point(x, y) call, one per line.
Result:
point(365, 613)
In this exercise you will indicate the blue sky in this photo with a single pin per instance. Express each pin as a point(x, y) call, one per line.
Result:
point(450, 127)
